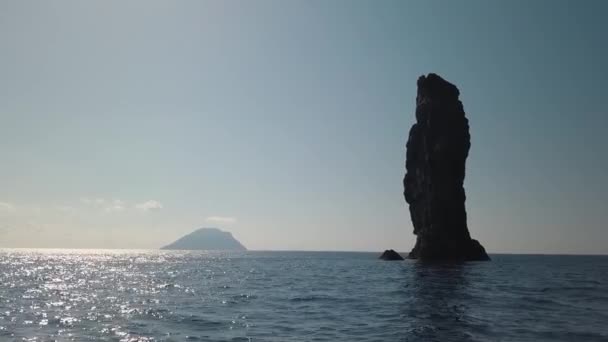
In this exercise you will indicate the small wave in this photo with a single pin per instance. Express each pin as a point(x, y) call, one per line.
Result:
point(312, 298)
point(243, 298)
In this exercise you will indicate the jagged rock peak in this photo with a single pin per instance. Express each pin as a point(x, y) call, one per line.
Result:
point(434, 85)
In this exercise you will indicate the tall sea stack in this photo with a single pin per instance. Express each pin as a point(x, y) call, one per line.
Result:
point(437, 150)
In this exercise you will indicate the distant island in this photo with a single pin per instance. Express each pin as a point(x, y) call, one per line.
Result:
point(207, 239)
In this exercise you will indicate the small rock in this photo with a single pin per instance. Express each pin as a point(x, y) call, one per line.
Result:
point(390, 254)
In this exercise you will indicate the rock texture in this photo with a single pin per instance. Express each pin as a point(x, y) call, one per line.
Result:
point(437, 150)
point(390, 254)
point(207, 239)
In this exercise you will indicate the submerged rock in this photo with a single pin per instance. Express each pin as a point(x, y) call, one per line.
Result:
point(390, 254)
point(437, 150)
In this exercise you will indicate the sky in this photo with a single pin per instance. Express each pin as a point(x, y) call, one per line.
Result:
point(127, 124)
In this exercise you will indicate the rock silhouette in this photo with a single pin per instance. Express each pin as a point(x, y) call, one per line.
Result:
point(390, 254)
point(437, 149)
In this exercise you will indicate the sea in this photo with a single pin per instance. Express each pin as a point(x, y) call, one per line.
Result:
point(152, 295)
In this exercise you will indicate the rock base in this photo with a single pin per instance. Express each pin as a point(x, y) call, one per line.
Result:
point(469, 251)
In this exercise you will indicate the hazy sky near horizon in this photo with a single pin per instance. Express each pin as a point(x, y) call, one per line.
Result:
point(126, 124)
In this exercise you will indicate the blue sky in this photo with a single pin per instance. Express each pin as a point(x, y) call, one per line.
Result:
point(129, 124)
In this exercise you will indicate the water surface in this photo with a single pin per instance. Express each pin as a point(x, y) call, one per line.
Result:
point(82, 295)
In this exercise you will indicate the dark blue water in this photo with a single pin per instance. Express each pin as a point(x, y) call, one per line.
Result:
point(276, 296)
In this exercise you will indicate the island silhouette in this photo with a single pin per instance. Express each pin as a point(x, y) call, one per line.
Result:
point(207, 239)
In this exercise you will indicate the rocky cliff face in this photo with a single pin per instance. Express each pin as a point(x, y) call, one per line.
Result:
point(437, 149)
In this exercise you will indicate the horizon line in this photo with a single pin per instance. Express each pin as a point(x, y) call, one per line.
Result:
point(289, 250)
